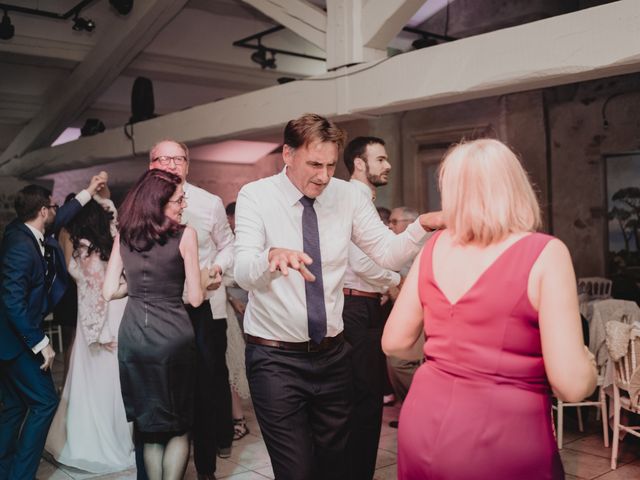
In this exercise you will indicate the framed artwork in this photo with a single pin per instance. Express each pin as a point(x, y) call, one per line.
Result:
point(623, 214)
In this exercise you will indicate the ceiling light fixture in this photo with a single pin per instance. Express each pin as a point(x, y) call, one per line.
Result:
point(7, 30)
point(123, 7)
point(79, 23)
point(427, 39)
point(83, 24)
point(260, 54)
point(260, 57)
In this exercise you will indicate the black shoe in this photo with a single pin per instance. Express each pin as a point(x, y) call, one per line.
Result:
point(224, 452)
point(393, 423)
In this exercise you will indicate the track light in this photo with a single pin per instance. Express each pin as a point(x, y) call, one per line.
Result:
point(6, 28)
point(81, 23)
point(260, 57)
point(424, 42)
point(123, 7)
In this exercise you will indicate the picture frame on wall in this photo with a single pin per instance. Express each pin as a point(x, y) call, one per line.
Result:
point(623, 215)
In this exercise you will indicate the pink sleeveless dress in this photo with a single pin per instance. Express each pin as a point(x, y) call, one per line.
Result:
point(480, 406)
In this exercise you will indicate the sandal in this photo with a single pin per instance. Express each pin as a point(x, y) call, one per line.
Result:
point(240, 428)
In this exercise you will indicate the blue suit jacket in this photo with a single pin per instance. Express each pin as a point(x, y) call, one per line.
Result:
point(25, 297)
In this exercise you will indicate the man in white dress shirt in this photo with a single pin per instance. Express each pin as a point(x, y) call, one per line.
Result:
point(213, 426)
point(365, 281)
point(293, 232)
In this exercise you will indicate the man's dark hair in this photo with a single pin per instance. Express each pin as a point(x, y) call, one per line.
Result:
point(357, 148)
point(231, 209)
point(30, 200)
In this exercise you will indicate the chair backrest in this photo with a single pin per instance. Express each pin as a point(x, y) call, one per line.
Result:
point(623, 342)
point(595, 287)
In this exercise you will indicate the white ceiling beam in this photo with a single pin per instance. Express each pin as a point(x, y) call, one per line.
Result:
point(383, 19)
point(99, 69)
point(299, 16)
point(585, 45)
point(344, 35)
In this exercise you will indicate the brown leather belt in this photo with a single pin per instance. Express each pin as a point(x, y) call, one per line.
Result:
point(325, 344)
point(352, 292)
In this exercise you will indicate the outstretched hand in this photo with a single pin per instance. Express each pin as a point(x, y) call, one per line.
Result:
point(283, 259)
point(97, 183)
point(432, 221)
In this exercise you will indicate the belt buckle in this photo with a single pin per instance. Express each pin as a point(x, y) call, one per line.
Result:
point(312, 347)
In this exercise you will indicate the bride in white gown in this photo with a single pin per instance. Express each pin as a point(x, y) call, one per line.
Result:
point(90, 430)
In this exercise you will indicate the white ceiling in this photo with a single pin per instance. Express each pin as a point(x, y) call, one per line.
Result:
point(57, 77)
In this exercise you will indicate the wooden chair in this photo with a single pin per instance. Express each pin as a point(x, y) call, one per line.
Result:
point(595, 287)
point(623, 342)
point(601, 403)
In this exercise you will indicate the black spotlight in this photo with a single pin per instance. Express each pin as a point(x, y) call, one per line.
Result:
point(123, 7)
point(260, 57)
point(6, 28)
point(424, 42)
point(83, 24)
point(92, 126)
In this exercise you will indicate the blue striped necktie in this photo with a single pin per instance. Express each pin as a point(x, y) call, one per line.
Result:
point(316, 310)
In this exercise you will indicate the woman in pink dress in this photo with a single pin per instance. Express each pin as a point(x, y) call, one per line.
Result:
point(499, 309)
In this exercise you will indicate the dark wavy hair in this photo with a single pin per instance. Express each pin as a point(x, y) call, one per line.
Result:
point(143, 222)
point(93, 224)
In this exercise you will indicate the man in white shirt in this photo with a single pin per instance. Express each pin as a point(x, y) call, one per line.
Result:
point(365, 281)
point(293, 232)
point(213, 426)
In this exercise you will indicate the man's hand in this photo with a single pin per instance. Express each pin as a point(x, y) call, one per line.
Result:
point(49, 354)
point(214, 279)
point(432, 221)
point(395, 291)
point(237, 305)
point(283, 259)
point(97, 183)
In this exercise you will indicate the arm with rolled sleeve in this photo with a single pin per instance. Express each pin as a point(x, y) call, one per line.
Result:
point(387, 249)
point(369, 271)
point(16, 265)
point(222, 237)
point(251, 251)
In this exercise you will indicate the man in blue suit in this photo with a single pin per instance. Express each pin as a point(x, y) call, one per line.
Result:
point(32, 279)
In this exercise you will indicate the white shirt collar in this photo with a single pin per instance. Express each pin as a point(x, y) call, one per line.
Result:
point(36, 233)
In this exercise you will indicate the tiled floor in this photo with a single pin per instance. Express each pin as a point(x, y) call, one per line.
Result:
point(583, 455)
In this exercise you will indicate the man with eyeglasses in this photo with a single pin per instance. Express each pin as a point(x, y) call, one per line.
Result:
point(401, 371)
point(33, 277)
point(213, 425)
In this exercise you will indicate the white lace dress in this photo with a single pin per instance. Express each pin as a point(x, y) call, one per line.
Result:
point(90, 430)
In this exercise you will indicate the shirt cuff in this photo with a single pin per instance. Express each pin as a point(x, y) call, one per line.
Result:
point(41, 344)
point(395, 279)
point(83, 197)
point(416, 232)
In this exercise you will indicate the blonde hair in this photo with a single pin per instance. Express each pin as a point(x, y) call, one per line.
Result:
point(486, 194)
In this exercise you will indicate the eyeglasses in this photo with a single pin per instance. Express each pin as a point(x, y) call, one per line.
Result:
point(55, 206)
point(181, 200)
point(166, 160)
point(395, 221)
